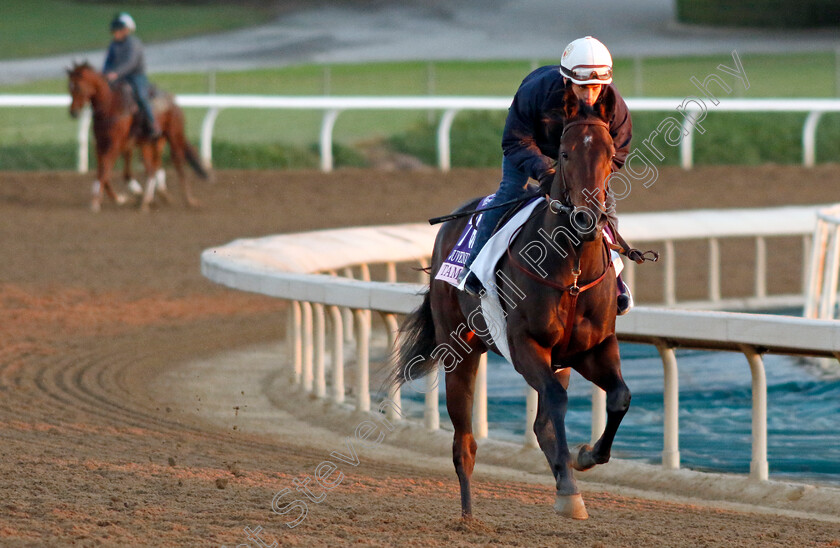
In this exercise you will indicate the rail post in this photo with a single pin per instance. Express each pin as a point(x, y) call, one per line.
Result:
point(687, 143)
point(443, 139)
point(327, 125)
point(306, 309)
point(362, 321)
point(319, 327)
point(714, 269)
point(295, 336)
point(83, 135)
point(392, 328)
point(431, 407)
point(599, 413)
point(532, 399)
point(207, 126)
point(809, 138)
point(337, 333)
point(671, 401)
point(758, 465)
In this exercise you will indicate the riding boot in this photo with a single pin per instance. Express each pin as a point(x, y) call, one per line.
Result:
point(470, 283)
point(153, 129)
point(624, 299)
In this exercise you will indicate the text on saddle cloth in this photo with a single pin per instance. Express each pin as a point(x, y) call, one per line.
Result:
point(454, 263)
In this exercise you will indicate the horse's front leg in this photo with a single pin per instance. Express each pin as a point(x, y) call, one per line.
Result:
point(105, 165)
point(602, 366)
point(534, 364)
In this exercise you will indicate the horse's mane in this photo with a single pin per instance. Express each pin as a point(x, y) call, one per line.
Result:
point(604, 107)
point(77, 68)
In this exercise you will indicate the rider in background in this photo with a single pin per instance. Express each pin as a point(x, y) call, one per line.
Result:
point(125, 61)
point(531, 137)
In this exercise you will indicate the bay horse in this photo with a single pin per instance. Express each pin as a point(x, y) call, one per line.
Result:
point(560, 309)
point(117, 129)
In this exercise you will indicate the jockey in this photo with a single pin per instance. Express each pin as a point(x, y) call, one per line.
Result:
point(125, 61)
point(531, 137)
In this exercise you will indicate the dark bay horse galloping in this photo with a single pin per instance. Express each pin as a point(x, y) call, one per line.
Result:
point(559, 296)
point(117, 130)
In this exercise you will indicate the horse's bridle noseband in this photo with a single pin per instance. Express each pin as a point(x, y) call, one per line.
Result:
point(562, 205)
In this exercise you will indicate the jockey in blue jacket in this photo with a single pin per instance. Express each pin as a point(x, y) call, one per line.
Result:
point(125, 61)
point(531, 138)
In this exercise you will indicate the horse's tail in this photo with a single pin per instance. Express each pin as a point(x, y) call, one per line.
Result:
point(194, 161)
point(412, 357)
point(178, 143)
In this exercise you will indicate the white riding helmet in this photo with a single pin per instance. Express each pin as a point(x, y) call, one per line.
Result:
point(132, 26)
point(587, 61)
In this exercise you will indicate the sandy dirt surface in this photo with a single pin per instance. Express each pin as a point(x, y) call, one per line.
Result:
point(97, 309)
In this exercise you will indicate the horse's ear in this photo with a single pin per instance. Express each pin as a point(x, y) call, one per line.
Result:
point(571, 104)
point(606, 105)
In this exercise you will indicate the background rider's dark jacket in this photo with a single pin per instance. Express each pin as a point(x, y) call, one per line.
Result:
point(531, 137)
point(125, 58)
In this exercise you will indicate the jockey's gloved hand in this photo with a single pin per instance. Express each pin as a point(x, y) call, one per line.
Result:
point(546, 179)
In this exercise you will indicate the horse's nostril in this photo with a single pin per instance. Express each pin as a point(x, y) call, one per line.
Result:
point(582, 220)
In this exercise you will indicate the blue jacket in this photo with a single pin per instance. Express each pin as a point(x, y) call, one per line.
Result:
point(125, 58)
point(531, 139)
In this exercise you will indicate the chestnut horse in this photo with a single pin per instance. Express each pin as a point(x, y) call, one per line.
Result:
point(560, 310)
point(118, 129)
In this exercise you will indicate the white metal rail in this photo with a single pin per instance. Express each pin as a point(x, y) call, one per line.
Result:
point(333, 106)
point(278, 267)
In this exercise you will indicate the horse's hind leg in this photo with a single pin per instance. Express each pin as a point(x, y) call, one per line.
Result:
point(128, 175)
point(460, 385)
point(602, 366)
point(151, 179)
point(178, 150)
point(160, 173)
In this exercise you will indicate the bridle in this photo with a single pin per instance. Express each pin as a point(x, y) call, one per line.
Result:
point(562, 205)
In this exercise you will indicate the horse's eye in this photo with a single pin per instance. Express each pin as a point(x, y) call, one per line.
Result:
point(564, 155)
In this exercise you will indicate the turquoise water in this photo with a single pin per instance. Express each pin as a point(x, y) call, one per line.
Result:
point(803, 430)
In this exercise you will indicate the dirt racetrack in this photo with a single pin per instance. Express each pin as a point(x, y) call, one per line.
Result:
point(96, 307)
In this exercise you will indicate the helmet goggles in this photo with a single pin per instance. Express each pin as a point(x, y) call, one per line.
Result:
point(585, 73)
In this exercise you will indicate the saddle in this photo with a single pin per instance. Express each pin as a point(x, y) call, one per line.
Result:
point(159, 99)
point(454, 263)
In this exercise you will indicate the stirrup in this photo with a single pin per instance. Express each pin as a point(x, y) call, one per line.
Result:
point(624, 301)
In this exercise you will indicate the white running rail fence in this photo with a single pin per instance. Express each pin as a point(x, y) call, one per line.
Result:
point(333, 106)
point(325, 275)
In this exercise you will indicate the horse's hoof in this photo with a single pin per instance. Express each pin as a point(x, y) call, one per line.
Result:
point(95, 207)
point(135, 188)
point(581, 458)
point(571, 506)
point(121, 199)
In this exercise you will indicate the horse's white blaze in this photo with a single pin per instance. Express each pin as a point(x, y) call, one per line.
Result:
point(587, 140)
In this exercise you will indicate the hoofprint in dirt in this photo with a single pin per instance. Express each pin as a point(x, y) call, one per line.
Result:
point(96, 308)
